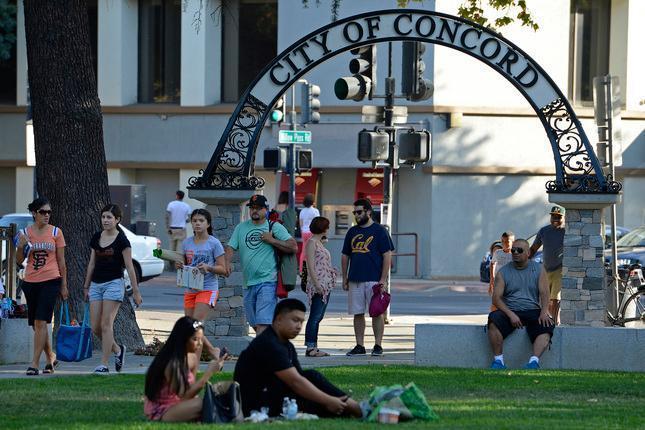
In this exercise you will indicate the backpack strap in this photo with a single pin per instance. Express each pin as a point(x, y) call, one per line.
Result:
point(55, 232)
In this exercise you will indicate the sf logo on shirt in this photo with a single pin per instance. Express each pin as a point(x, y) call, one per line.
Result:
point(361, 246)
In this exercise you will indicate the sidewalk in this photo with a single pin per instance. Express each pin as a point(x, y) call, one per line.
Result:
point(336, 337)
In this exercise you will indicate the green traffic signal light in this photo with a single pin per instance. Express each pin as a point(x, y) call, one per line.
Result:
point(276, 115)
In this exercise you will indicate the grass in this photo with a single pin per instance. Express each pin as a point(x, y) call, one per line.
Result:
point(463, 398)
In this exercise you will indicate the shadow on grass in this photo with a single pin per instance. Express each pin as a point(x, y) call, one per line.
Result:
point(463, 398)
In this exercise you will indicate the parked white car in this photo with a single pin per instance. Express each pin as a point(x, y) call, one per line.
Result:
point(146, 265)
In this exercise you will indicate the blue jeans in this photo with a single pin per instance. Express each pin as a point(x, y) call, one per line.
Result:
point(316, 314)
point(259, 303)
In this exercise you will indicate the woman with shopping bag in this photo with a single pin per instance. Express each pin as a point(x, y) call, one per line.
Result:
point(104, 285)
point(43, 246)
point(171, 386)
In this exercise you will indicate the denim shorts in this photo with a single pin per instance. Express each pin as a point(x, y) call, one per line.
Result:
point(259, 303)
point(110, 290)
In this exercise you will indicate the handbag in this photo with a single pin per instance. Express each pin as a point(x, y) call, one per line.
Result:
point(73, 342)
point(222, 403)
point(303, 277)
point(380, 300)
point(287, 267)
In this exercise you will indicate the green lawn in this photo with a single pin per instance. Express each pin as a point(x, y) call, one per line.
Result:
point(462, 399)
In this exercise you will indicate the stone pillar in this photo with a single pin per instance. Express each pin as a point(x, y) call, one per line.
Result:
point(227, 325)
point(583, 269)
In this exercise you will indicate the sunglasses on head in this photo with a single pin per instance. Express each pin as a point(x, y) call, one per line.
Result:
point(44, 211)
point(517, 250)
point(359, 212)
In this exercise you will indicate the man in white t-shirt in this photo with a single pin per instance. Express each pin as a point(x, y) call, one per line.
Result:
point(307, 214)
point(177, 215)
point(501, 258)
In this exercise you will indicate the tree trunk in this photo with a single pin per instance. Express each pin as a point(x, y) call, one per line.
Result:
point(68, 130)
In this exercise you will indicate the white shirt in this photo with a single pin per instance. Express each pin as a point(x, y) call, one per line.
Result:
point(179, 213)
point(306, 216)
point(502, 259)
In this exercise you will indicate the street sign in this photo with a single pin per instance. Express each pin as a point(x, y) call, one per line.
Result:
point(293, 136)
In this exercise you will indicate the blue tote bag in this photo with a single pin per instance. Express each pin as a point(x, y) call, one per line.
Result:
point(73, 342)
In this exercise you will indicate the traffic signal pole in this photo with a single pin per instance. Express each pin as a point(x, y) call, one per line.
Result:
point(388, 170)
point(291, 165)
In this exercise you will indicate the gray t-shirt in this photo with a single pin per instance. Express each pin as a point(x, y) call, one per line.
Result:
point(501, 259)
point(521, 287)
point(552, 240)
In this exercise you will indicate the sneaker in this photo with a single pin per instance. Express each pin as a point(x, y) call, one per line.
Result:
point(497, 365)
point(119, 359)
point(377, 350)
point(101, 370)
point(358, 350)
point(532, 365)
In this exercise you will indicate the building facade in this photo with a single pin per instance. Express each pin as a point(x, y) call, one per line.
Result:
point(169, 75)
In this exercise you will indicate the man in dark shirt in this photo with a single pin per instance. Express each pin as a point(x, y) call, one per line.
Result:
point(367, 252)
point(551, 237)
point(268, 371)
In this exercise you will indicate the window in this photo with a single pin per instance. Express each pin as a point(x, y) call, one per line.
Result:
point(589, 47)
point(257, 43)
point(159, 51)
point(8, 52)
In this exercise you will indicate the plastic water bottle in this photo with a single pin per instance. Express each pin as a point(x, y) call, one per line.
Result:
point(285, 407)
point(292, 410)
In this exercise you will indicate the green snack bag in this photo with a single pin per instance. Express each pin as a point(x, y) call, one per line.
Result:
point(416, 402)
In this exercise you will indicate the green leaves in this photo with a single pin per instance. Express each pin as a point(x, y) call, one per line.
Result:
point(7, 29)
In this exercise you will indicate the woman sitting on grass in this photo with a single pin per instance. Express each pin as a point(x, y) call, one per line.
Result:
point(171, 387)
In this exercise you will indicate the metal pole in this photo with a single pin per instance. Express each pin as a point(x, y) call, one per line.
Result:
point(612, 171)
point(292, 153)
point(388, 176)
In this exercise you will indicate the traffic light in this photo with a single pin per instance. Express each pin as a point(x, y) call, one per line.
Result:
point(413, 84)
point(277, 113)
point(363, 81)
point(373, 145)
point(304, 159)
point(414, 146)
point(275, 158)
point(310, 104)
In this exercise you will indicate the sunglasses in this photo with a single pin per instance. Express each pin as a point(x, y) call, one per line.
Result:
point(198, 324)
point(360, 212)
point(517, 250)
point(44, 212)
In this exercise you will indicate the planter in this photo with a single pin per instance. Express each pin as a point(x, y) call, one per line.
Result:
point(16, 341)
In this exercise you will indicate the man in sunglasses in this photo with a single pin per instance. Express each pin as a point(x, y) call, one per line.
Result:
point(551, 237)
point(521, 295)
point(255, 241)
point(367, 253)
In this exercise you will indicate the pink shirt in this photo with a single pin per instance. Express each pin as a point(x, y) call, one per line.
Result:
point(42, 264)
point(155, 410)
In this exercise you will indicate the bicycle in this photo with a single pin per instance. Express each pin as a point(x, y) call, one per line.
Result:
point(631, 289)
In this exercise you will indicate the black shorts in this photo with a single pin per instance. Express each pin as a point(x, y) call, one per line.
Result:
point(41, 298)
point(529, 320)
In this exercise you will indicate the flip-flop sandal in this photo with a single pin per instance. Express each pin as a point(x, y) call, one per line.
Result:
point(49, 368)
point(315, 352)
point(32, 371)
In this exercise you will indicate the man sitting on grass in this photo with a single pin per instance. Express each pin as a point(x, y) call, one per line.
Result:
point(521, 295)
point(268, 371)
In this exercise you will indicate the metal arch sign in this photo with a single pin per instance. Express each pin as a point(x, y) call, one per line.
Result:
point(577, 167)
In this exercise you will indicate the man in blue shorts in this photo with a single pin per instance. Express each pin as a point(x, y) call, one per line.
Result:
point(521, 295)
point(255, 243)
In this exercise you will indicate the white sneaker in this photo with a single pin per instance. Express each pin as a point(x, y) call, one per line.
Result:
point(101, 370)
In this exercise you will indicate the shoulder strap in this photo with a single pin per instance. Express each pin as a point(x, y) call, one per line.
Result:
point(55, 232)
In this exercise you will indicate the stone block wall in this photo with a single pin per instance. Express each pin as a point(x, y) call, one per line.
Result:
point(583, 270)
point(228, 318)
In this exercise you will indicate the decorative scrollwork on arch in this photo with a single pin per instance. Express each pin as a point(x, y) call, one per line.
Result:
point(577, 173)
point(233, 158)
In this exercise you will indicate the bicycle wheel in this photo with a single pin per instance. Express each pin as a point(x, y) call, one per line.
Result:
point(633, 310)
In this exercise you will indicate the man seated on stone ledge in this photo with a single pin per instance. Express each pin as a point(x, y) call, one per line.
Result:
point(521, 295)
point(268, 371)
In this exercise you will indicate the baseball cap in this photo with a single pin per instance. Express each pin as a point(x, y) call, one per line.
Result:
point(258, 200)
point(558, 210)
